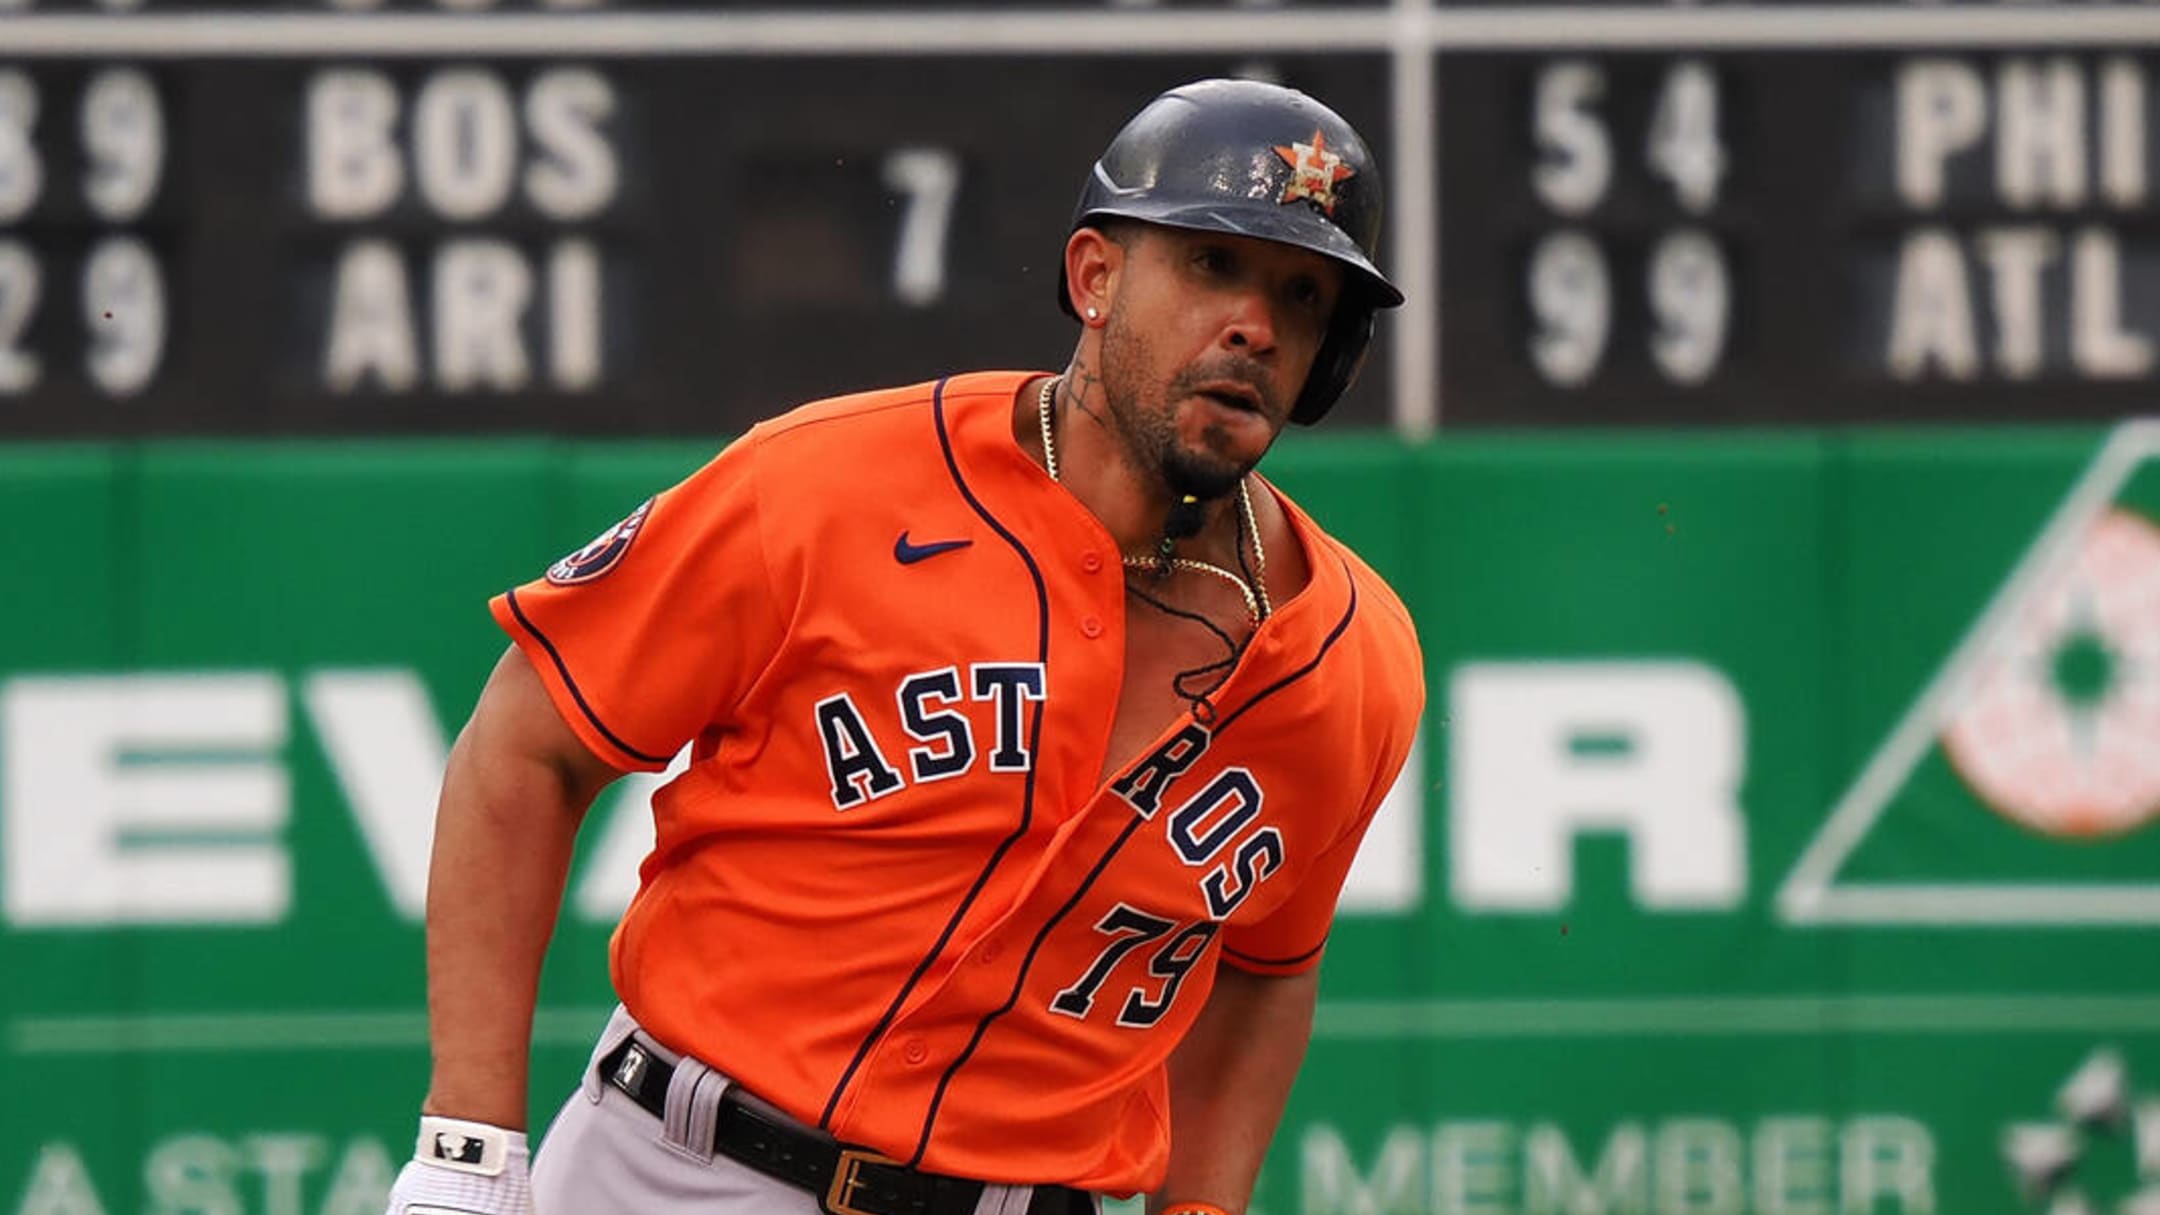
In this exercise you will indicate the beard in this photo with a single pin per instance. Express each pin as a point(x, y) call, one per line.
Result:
point(1149, 433)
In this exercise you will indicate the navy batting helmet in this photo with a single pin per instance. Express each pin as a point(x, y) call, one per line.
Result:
point(1259, 160)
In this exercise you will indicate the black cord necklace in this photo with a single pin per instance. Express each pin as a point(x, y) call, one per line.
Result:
point(1164, 562)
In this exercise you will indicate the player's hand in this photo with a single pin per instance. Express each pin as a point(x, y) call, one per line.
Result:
point(465, 1168)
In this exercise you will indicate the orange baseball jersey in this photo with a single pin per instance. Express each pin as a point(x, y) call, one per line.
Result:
point(889, 893)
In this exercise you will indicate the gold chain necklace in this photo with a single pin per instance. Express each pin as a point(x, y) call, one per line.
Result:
point(1257, 605)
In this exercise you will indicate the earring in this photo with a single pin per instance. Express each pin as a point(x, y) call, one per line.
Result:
point(1093, 315)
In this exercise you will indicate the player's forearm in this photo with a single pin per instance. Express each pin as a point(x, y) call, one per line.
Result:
point(1229, 1081)
point(503, 839)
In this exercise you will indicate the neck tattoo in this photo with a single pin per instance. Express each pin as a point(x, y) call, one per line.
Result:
point(1257, 606)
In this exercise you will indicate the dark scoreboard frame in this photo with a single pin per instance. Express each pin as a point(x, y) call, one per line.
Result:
point(798, 202)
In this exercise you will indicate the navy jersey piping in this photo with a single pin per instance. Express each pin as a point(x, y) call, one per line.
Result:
point(1333, 636)
point(1027, 799)
point(1258, 960)
point(584, 706)
point(982, 1027)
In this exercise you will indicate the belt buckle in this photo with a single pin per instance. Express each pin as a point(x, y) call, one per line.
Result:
point(839, 1197)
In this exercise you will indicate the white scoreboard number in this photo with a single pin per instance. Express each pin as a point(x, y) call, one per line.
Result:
point(120, 126)
point(1569, 281)
point(929, 179)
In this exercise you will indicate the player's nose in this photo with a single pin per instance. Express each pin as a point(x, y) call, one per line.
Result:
point(1249, 324)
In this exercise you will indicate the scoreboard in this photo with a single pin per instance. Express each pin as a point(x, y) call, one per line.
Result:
point(1936, 234)
point(584, 216)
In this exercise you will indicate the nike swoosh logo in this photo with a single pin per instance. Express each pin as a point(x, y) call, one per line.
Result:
point(909, 554)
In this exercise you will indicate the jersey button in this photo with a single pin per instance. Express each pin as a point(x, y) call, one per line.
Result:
point(1091, 627)
point(1091, 562)
point(915, 1052)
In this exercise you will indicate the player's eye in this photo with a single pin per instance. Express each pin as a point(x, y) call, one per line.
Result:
point(1215, 260)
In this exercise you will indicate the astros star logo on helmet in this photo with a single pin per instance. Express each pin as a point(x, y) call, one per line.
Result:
point(1314, 172)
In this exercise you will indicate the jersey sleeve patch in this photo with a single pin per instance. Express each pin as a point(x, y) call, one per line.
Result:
point(604, 553)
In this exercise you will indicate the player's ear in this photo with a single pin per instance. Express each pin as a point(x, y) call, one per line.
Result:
point(1092, 263)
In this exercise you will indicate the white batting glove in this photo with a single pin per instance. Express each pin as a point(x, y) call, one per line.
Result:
point(465, 1168)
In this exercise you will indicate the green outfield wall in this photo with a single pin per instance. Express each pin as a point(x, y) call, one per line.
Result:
point(1781, 839)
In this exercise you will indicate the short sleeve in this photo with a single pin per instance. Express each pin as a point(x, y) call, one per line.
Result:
point(1289, 940)
point(654, 631)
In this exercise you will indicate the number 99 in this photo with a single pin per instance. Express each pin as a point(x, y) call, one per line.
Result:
point(1570, 289)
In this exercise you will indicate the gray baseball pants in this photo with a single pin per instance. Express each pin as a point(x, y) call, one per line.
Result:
point(605, 1155)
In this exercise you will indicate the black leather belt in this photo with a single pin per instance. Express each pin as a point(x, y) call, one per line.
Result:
point(846, 1181)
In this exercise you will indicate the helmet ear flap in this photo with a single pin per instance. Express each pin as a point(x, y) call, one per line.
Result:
point(1336, 366)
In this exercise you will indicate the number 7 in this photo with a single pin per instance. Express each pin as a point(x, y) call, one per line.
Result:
point(930, 177)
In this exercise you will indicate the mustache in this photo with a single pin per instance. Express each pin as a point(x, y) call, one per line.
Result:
point(1233, 368)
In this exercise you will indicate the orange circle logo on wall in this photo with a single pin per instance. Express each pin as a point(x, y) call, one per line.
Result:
point(602, 555)
point(2059, 726)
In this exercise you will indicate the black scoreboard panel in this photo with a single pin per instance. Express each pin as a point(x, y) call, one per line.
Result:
point(1799, 236)
point(1722, 227)
point(680, 244)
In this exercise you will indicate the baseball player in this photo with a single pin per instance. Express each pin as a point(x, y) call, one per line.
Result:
point(1031, 734)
